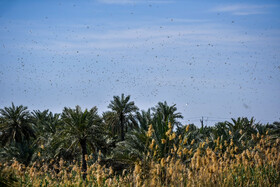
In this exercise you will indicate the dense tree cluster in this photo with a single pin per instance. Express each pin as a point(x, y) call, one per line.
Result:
point(120, 137)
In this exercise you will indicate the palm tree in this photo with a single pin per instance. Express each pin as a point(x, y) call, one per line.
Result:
point(111, 121)
point(22, 152)
point(168, 113)
point(79, 128)
point(133, 148)
point(47, 125)
point(15, 125)
point(143, 119)
point(276, 128)
point(244, 124)
point(45, 121)
point(238, 131)
point(123, 110)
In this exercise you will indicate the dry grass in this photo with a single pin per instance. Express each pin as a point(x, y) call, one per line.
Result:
point(224, 165)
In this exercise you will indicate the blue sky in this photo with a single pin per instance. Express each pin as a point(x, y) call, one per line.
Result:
point(221, 58)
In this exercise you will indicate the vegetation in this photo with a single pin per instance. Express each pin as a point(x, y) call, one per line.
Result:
point(128, 147)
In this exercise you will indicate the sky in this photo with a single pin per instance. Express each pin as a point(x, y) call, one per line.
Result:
point(216, 59)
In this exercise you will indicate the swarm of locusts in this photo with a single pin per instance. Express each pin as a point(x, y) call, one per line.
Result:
point(220, 164)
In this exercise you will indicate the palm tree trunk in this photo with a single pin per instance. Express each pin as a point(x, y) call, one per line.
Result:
point(84, 153)
point(122, 128)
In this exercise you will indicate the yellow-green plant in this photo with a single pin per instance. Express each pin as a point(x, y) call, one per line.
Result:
point(223, 165)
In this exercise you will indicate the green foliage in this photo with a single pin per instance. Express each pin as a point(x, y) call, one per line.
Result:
point(124, 135)
point(21, 152)
point(121, 115)
point(16, 126)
